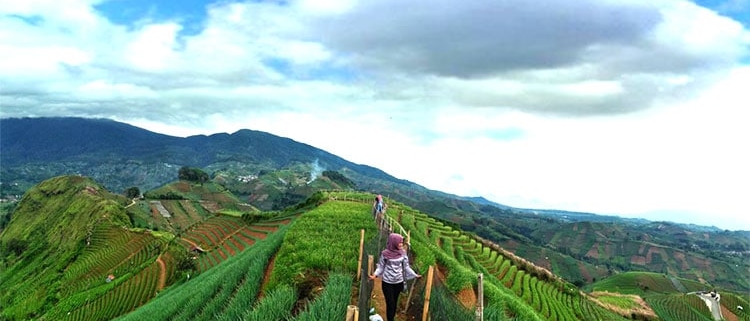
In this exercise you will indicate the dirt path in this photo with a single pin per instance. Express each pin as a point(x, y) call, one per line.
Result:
point(266, 276)
point(378, 301)
point(189, 242)
point(728, 314)
point(162, 273)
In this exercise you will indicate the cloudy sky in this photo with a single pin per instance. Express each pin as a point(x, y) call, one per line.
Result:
point(633, 108)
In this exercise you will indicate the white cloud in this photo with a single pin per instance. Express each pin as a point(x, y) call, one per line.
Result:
point(621, 107)
point(153, 48)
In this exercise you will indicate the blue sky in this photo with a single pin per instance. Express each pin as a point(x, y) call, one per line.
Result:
point(633, 108)
point(738, 10)
point(133, 13)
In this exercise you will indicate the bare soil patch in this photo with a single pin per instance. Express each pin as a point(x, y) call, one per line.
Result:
point(266, 277)
point(255, 234)
point(585, 272)
point(642, 309)
point(466, 297)
point(229, 248)
point(728, 314)
point(182, 186)
point(266, 228)
point(594, 251)
point(638, 259)
point(221, 254)
point(162, 273)
point(247, 241)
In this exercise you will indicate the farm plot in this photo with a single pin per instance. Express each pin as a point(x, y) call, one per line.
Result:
point(112, 251)
point(679, 307)
point(183, 214)
point(547, 296)
point(122, 298)
point(221, 237)
point(226, 291)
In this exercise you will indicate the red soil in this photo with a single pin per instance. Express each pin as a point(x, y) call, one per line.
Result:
point(162, 273)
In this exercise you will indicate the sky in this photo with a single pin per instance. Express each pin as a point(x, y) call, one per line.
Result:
point(618, 107)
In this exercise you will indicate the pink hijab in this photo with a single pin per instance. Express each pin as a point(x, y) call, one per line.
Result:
point(391, 251)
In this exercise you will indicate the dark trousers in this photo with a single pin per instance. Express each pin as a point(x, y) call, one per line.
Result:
point(391, 293)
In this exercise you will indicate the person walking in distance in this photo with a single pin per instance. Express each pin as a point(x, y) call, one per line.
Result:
point(394, 269)
point(378, 207)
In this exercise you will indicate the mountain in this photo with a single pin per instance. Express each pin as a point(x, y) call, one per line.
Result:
point(268, 172)
point(121, 155)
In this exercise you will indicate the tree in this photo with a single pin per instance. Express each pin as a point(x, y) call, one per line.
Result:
point(192, 174)
point(17, 246)
point(339, 178)
point(132, 192)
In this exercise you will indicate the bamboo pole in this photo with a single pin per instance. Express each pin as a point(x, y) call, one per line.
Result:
point(351, 313)
point(426, 309)
point(480, 297)
point(361, 252)
point(365, 291)
point(370, 264)
point(408, 298)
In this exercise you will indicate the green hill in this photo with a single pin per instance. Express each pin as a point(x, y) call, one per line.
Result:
point(643, 283)
point(51, 228)
point(74, 251)
point(254, 172)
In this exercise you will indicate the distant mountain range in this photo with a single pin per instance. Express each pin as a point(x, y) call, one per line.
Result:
point(270, 172)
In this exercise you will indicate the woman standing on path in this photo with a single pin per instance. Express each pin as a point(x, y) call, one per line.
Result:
point(394, 269)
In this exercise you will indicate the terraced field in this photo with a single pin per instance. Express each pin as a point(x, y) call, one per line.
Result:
point(112, 251)
point(221, 237)
point(550, 297)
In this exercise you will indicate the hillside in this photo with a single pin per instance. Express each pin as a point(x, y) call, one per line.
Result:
point(72, 246)
point(264, 172)
point(83, 259)
point(673, 299)
point(52, 227)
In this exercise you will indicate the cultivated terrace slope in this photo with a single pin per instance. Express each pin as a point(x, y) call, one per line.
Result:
point(51, 227)
point(306, 271)
point(71, 252)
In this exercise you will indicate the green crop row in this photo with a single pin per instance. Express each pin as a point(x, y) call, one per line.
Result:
point(737, 304)
point(679, 307)
point(277, 305)
point(121, 254)
point(324, 239)
point(332, 303)
point(500, 303)
point(126, 296)
point(506, 282)
point(217, 290)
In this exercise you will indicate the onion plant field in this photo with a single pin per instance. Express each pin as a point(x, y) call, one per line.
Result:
point(643, 283)
point(227, 291)
point(513, 287)
point(114, 274)
point(221, 237)
point(673, 298)
point(679, 307)
point(323, 239)
point(301, 264)
point(736, 304)
point(311, 262)
point(125, 296)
